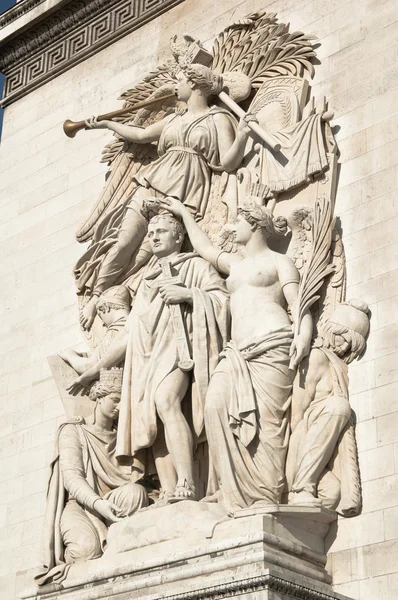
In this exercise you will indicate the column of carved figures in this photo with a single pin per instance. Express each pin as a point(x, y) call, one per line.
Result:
point(217, 269)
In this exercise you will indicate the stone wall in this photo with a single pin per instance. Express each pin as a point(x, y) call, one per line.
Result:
point(48, 184)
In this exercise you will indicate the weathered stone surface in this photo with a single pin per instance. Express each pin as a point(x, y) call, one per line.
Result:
point(43, 175)
point(265, 554)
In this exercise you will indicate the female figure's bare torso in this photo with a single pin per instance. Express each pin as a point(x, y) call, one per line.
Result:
point(257, 302)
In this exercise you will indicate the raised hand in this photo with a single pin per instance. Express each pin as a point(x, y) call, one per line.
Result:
point(172, 205)
point(243, 123)
point(81, 384)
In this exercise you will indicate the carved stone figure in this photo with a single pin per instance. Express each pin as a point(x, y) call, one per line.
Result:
point(320, 413)
point(190, 145)
point(155, 382)
point(241, 347)
point(113, 308)
point(193, 147)
point(154, 385)
point(249, 393)
point(88, 489)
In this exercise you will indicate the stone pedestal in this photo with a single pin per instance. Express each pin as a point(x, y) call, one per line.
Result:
point(193, 550)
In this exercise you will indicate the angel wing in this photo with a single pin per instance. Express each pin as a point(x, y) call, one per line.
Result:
point(126, 159)
point(300, 223)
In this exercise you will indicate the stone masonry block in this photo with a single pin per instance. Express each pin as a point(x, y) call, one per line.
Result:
point(375, 560)
point(387, 429)
point(380, 493)
point(374, 587)
point(369, 529)
point(386, 369)
point(391, 523)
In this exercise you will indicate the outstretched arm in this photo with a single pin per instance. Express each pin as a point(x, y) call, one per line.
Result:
point(131, 133)
point(113, 357)
point(199, 239)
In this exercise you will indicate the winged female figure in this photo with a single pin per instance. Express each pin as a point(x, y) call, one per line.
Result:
point(190, 146)
point(193, 147)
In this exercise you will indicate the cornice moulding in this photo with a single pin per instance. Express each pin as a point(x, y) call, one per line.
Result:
point(43, 48)
point(18, 11)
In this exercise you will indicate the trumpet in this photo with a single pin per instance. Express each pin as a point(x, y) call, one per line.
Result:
point(71, 128)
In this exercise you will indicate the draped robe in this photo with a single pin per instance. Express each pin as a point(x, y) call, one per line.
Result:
point(152, 350)
point(84, 469)
point(247, 420)
point(188, 154)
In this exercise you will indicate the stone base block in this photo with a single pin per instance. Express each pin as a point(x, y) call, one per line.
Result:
point(193, 551)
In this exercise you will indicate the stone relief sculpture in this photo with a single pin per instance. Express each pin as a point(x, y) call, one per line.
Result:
point(248, 398)
point(155, 382)
point(206, 147)
point(113, 308)
point(239, 335)
point(189, 146)
point(88, 489)
point(319, 467)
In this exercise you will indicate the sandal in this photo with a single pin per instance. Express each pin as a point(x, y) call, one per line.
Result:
point(184, 491)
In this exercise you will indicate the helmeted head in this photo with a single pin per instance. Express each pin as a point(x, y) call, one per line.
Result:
point(113, 303)
point(165, 234)
point(253, 217)
point(200, 78)
point(107, 392)
point(346, 330)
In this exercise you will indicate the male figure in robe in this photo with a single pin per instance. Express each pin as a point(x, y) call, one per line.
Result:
point(153, 384)
point(88, 489)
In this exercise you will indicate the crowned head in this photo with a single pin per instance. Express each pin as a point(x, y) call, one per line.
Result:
point(107, 392)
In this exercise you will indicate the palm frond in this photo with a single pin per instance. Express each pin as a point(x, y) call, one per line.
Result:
point(260, 47)
point(318, 265)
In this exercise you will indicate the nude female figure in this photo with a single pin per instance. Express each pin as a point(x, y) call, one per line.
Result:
point(246, 412)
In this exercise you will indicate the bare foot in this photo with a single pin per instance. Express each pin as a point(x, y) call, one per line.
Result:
point(161, 500)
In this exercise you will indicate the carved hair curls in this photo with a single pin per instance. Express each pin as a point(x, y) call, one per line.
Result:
point(177, 226)
point(207, 82)
point(263, 218)
point(100, 390)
